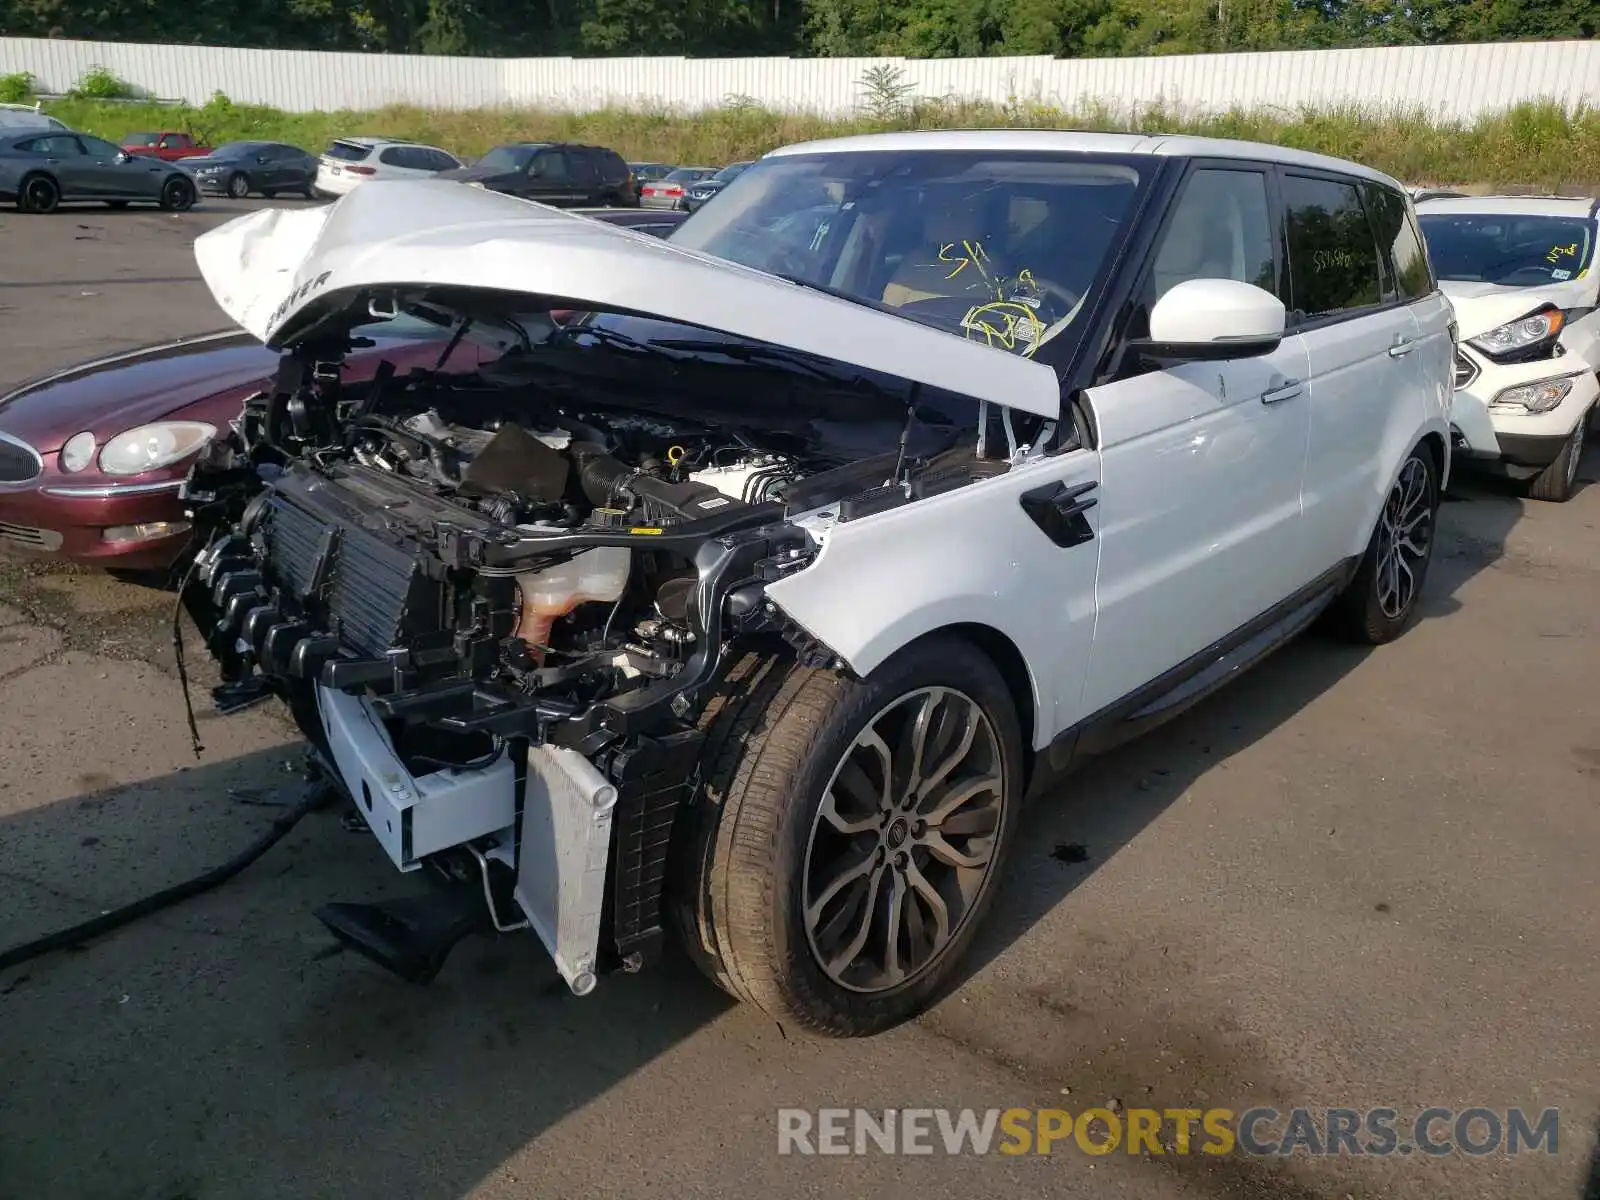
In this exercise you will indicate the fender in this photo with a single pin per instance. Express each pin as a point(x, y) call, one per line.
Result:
point(969, 556)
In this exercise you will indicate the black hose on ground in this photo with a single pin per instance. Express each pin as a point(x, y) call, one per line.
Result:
point(316, 794)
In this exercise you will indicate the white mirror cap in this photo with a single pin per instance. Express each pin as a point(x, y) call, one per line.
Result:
point(1214, 310)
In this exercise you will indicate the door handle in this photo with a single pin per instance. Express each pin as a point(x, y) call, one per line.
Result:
point(1287, 390)
point(1058, 510)
point(1401, 346)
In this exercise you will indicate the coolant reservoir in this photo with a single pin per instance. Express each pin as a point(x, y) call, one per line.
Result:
point(599, 574)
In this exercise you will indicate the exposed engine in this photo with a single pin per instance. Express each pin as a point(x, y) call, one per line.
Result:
point(464, 576)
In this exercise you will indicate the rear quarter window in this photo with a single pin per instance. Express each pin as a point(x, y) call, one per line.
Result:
point(1398, 237)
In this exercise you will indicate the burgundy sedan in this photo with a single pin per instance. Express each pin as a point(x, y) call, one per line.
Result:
point(91, 457)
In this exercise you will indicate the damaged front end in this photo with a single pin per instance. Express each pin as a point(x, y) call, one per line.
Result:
point(497, 603)
point(498, 639)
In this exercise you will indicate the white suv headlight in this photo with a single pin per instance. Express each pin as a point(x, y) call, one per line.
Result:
point(1537, 397)
point(1522, 334)
point(152, 446)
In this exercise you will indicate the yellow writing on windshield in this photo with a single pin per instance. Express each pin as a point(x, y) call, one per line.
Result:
point(1005, 324)
point(964, 254)
point(1559, 252)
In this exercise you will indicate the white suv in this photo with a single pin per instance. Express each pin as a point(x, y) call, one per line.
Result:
point(350, 162)
point(1521, 274)
point(751, 601)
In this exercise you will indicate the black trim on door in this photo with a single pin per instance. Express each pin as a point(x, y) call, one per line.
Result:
point(1107, 365)
point(1060, 511)
point(1191, 681)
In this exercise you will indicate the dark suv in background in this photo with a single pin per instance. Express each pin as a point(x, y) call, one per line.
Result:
point(556, 173)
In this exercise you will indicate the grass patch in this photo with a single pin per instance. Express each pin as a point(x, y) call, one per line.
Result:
point(1537, 145)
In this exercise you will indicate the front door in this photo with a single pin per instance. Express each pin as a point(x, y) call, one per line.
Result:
point(126, 176)
point(1199, 508)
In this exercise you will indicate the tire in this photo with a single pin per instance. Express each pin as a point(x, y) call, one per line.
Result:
point(1555, 484)
point(1376, 607)
point(309, 192)
point(177, 195)
point(238, 185)
point(755, 845)
point(38, 194)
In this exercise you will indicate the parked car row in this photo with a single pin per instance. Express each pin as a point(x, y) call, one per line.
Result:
point(560, 174)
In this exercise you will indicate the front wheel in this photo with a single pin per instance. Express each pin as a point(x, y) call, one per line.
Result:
point(1556, 482)
point(178, 195)
point(1382, 598)
point(847, 838)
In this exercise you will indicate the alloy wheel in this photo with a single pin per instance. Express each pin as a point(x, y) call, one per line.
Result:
point(902, 844)
point(238, 187)
point(178, 196)
point(1405, 538)
point(40, 195)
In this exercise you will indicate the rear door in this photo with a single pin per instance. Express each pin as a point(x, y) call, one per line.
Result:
point(67, 160)
point(1363, 344)
point(585, 176)
point(1200, 519)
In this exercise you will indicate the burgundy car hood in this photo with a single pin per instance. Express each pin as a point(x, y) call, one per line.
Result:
point(110, 395)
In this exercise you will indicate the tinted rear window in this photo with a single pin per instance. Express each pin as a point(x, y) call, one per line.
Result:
point(686, 175)
point(348, 151)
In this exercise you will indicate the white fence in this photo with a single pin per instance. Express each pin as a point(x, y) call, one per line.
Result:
point(1449, 81)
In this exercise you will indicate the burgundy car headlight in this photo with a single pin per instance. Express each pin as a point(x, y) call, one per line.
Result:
point(151, 446)
point(78, 452)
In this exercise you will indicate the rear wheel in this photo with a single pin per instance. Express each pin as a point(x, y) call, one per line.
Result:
point(38, 194)
point(239, 185)
point(844, 846)
point(1382, 598)
point(178, 195)
point(1556, 482)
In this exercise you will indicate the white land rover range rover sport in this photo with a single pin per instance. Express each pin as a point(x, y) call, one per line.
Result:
point(753, 581)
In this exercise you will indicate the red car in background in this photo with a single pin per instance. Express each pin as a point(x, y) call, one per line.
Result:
point(168, 145)
point(91, 456)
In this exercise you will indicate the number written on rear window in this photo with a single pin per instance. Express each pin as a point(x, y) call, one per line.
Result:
point(1333, 259)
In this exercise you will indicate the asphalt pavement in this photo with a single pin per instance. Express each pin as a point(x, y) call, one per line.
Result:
point(1355, 879)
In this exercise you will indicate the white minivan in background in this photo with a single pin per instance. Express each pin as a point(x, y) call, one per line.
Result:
point(355, 160)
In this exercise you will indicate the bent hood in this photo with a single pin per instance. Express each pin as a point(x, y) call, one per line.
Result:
point(1481, 307)
point(278, 271)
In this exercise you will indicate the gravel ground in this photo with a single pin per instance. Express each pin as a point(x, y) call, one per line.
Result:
point(1355, 879)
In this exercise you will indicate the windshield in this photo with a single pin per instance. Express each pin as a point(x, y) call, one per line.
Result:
point(1508, 249)
point(508, 158)
point(141, 139)
point(993, 247)
point(730, 172)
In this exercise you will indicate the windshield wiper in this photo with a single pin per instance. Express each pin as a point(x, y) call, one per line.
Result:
point(840, 294)
point(770, 355)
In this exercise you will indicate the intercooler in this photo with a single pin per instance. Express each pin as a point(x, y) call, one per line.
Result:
point(371, 589)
